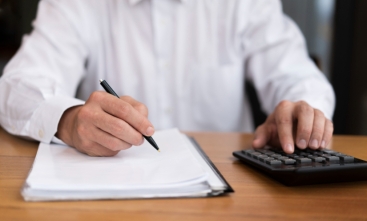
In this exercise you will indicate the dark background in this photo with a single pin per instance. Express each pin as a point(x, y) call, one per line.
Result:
point(336, 35)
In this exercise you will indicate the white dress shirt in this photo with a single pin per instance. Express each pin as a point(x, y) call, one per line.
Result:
point(187, 60)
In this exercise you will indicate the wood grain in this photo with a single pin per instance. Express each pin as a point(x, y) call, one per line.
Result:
point(257, 197)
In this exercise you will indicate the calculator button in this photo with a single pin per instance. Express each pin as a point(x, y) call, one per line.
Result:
point(283, 158)
point(338, 154)
point(304, 160)
point(288, 161)
point(256, 155)
point(274, 162)
point(261, 157)
point(332, 158)
point(275, 155)
point(266, 159)
point(347, 159)
point(248, 152)
point(317, 159)
point(269, 152)
point(261, 151)
point(329, 151)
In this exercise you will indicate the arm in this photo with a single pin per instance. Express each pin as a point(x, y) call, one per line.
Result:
point(294, 93)
point(38, 88)
point(40, 81)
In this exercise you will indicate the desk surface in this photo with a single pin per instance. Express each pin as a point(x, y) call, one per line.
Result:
point(257, 197)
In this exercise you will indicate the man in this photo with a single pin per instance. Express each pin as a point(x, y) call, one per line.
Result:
point(184, 60)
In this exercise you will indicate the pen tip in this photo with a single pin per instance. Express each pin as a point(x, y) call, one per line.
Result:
point(100, 80)
point(159, 150)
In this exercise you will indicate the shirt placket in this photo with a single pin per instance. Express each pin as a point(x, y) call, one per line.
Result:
point(162, 25)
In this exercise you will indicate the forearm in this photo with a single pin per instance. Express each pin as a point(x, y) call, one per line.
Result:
point(25, 111)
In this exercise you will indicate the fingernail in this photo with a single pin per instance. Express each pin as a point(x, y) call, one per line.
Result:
point(150, 131)
point(288, 148)
point(323, 144)
point(302, 143)
point(314, 143)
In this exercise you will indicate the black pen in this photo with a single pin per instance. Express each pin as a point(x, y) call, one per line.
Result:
point(109, 90)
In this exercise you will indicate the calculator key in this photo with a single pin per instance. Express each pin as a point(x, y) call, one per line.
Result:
point(248, 152)
point(266, 159)
point(288, 161)
point(261, 151)
point(317, 159)
point(283, 158)
point(338, 154)
point(269, 152)
point(332, 158)
point(304, 154)
point(347, 159)
point(275, 155)
point(274, 162)
point(263, 156)
point(257, 156)
point(329, 151)
point(304, 160)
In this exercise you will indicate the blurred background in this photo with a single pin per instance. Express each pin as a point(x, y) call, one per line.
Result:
point(336, 35)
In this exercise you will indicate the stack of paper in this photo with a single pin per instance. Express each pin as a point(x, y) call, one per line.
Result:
point(179, 170)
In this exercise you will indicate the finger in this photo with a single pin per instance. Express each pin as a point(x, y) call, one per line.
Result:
point(140, 107)
point(284, 122)
point(125, 111)
point(304, 113)
point(95, 150)
point(109, 141)
point(328, 133)
point(317, 129)
point(262, 136)
point(118, 128)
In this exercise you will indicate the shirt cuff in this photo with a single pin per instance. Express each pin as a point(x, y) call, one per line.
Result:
point(45, 120)
point(57, 141)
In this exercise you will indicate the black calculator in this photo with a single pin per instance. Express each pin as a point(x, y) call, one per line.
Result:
point(305, 167)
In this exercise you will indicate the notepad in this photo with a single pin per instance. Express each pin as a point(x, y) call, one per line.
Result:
point(181, 169)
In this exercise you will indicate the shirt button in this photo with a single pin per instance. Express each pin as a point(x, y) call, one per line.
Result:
point(40, 133)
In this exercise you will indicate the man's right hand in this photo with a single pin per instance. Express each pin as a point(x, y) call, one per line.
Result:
point(104, 125)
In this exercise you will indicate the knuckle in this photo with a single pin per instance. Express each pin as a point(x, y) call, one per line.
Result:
point(95, 96)
point(126, 98)
point(304, 130)
point(305, 108)
point(284, 104)
point(84, 113)
point(125, 110)
point(80, 129)
point(319, 113)
point(142, 109)
point(284, 121)
point(318, 131)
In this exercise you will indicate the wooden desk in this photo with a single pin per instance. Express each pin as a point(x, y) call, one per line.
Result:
point(257, 197)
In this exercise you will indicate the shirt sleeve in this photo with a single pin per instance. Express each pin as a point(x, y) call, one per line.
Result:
point(277, 61)
point(40, 81)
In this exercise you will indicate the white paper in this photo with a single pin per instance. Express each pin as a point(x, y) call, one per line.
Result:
point(62, 173)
